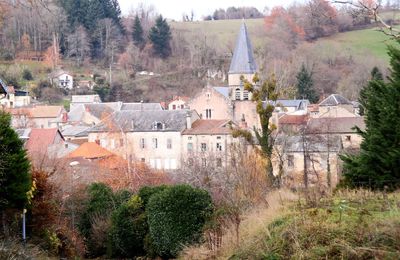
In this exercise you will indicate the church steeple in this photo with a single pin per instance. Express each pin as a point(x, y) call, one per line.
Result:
point(242, 64)
point(243, 60)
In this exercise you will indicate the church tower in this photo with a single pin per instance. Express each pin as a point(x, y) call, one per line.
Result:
point(242, 63)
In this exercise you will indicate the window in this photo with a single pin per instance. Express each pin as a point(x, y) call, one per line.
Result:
point(169, 143)
point(65, 145)
point(219, 147)
point(173, 165)
point(203, 147)
point(218, 137)
point(112, 144)
point(190, 147)
point(208, 95)
point(189, 138)
point(103, 142)
point(208, 113)
point(152, 163)
point(182, 106)
point(237, 94)
point(143, 160)
point(158, 126)
point(97, 141)
point(142, 143)
point(245, 95)
point(203, 162)
point(219, 162)
point(348, 138)
point(290, 161)
point(173, 107)
point(155, 143)
point(166, 164)
point(121, 142)
point(158, 163)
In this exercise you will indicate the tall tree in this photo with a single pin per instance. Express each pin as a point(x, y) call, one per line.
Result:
point(15, 178)
point(377, 165)
point(160, 37)
point(137, 33)
point(305, 85)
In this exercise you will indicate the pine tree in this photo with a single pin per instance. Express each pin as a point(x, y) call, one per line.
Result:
point(160, 37)
point(378, 164)
point(137, 33)
point(305, 85)
point(15, 178)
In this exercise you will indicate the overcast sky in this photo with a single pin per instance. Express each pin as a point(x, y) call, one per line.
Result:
point(174, 9)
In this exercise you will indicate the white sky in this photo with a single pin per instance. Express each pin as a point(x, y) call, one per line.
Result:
point(173, 9)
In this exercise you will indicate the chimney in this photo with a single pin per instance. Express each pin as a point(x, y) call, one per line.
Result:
point(141, 105)
point(65, 117)
point(243, 123)
point(188, 120)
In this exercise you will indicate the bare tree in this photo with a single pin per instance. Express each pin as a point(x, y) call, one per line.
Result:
point(78, 45)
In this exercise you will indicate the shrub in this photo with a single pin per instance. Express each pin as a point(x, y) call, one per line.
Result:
point(146, 192)
point(128, 229)
point(27, 74)
point(176, 217)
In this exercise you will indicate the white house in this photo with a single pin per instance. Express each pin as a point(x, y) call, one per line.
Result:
point(62, 79)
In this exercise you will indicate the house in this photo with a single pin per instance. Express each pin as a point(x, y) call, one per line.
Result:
point(84, 99)
point(90, 114)
point(311, 160)
point(290, 124)
point(47, 143)
point(38, 117)
point(208, 141)
point(147, 136)
point(291, 105)
point(14, 98)
point(334, 106)
point(85, 84)
point(76, 134)
point(178, 102)
point(62, 79)
point(340, 126)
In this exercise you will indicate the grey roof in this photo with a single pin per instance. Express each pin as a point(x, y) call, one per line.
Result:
point(85, 98)
point(243, 59)
point(334, 100)
point(23, 133)
point(141, 106)
point(76, 130)
point(3, 87)
point(313, 143)
point(297, 103)
point(143, 121)
point(99, 111)
point(223, 91)
point(338, 125)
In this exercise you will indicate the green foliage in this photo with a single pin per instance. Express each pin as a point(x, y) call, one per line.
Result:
point(305, 85)
point(15, 177)
point(160, 37)
point(176, 217)
point(27, 74)
point(128, 230)
point(146, 192)
point(103, 91)
point(137, 33)
point(378, 165)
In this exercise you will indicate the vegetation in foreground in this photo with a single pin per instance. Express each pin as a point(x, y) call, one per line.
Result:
point(357, 224)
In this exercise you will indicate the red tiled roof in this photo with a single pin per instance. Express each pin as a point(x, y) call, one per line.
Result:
point(90, 150)
point(40, 139)
point(45, 111)
point(203, 126)
point(293, 119)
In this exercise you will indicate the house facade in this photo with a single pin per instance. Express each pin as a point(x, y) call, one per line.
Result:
point(178, 102)
point(62, 79)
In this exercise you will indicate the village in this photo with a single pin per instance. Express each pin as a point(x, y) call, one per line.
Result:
point(171, 135)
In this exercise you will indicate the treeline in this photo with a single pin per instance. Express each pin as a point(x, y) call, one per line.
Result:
point(234, 13)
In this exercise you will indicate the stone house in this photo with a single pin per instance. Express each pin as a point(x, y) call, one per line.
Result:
point(38, 117)
point(152, 137)
point(178, 102)
point(12, 98)
point(84, 99)
point(334, 106)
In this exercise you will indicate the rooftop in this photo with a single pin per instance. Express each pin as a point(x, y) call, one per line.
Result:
point(45, 111)
point(90, 150)
point(293, 119)
point(40, 139)
point(334, 100)
point(335, 124)
point(209, 127)
point(314, 143)
point(141, 106)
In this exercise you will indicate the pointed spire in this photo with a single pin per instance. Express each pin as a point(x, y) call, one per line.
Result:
point(243, 60)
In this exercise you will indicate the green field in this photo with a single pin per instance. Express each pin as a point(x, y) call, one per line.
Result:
point(222, 34)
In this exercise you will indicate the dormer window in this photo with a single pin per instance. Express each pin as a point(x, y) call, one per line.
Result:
point(158, 126)
point(237, 94)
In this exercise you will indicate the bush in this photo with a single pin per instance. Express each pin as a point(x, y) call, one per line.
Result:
point(128, 230)
point(176, 217)
point(146, 192)
point(27, 74)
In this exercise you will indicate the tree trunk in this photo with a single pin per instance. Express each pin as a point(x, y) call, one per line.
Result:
point(4, 224)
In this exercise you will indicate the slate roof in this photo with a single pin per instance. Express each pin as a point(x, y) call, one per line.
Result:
point(297, 103)
point(314, 143)
point(45, 111)
point(334, 100)
point(76, 130)
point(141, 106)
point(209, 127)
point(335, 125)
point(23, 133)
point(243, 60)
point(223, 91)
point(101, 110)
point(85, 98)
point(3, 87)
point(143, 121)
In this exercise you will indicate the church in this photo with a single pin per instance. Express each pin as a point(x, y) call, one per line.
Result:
point(232, 102)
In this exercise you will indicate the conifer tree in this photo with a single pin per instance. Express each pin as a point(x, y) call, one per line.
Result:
point(160, 37)
point(305, 85)
point(378, 164)
point(137, 33)
point(15, 178)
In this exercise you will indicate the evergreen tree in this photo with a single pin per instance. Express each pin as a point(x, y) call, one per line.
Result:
point(15, 178)
point(160, 37)
point(376, 74)
point(305, 85)
point(378, 164)
point(137, 33)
